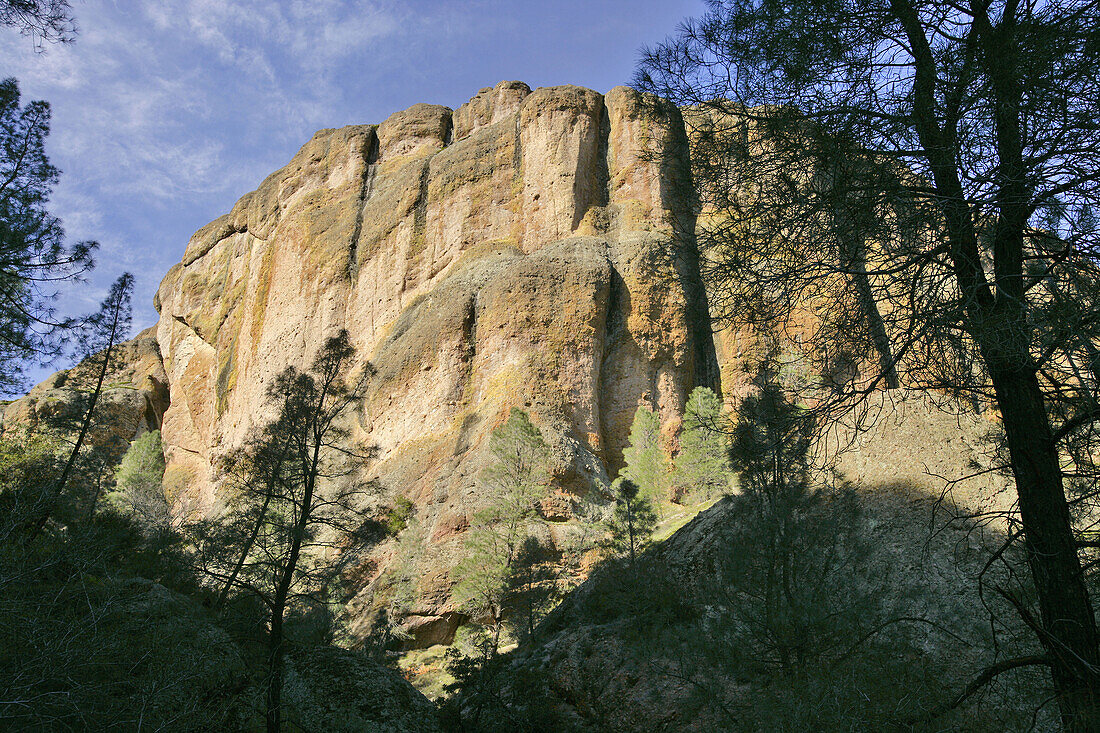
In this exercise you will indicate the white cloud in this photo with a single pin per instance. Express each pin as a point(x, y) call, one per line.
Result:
point(155, 103)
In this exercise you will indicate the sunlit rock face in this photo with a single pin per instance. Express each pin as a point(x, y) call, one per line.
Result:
point(133, 398)
point(513, 252)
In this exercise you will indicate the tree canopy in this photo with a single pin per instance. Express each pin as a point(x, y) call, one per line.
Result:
point(645, 458)
point(33, 252)
point(918, 180)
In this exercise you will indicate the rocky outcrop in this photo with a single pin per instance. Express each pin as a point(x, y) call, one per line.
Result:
point(512, 253)
point(133, 401)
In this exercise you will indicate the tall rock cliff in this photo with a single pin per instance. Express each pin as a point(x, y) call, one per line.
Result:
point(513, 252)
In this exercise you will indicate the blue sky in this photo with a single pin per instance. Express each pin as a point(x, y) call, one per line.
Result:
point(165, 112)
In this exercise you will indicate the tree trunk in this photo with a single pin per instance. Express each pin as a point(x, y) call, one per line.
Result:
point(999, 326)
point(282, 590)
point(276, 663)
point(630, 531)
point(498, 619)
point(876, 326)
point(1068, 621)
point(853, 260)
point(59, 487)
point(244, 552)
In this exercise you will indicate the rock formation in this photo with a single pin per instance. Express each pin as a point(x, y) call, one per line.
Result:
point(513, 252)
point(134, 398)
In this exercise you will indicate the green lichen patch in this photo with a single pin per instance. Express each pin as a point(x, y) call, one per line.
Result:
point(227, 376)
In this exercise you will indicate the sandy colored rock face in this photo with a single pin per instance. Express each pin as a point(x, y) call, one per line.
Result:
point(133, 400)
point(491, 105)
point(514, 252)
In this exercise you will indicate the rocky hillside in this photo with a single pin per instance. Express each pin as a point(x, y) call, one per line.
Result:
point(663, 646)
point(513, 252)
point(134, 399)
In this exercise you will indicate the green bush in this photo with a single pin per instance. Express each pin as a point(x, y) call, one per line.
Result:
point(397, 517)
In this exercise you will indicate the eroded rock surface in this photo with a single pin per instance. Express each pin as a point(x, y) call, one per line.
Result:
point(133, 400)
point(512, 253)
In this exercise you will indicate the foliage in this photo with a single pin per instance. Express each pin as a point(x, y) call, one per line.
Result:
point(515, 478)
point(44, 21)
point(532, 586)
point(90, 634)
point(483, 572)
point(405, 571)
point(792, 569)
point(515, 475)
point(138, 484)
point(398, 516)
point(494, 696)
point(85, 651)
point(28, 470)
point(646, 461)
point(918, 181)
point(33, 253)
point(291, 505)
point(702, 467)
point(631, 523)
point(101, 332)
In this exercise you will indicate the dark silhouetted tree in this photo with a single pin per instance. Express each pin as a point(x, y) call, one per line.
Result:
point(270, 543)
point(101, 332)
point(921, 177)
point(33, 253)
point(632, 520)
point(43, 21)
point(532, 586)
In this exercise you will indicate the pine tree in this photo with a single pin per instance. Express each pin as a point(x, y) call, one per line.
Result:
point(102, 331)
point(646, 461)
point(33, 253)
point(703, 466)
point(515, 478)
point(896, 164)
point(290, 504)
point(632, 521)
